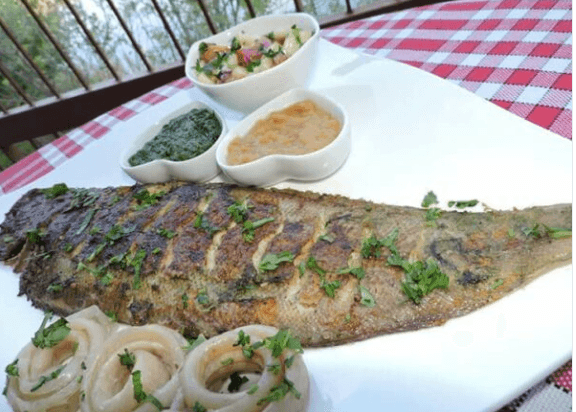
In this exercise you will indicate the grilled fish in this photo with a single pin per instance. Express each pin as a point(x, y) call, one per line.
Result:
point(204, 259)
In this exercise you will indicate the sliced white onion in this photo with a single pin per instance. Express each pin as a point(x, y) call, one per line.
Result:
point(204, 375)
point(159, 354)
point(88, 330)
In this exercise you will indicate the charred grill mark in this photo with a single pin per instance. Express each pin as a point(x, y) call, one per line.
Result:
point(438, 246)
point(333, 255)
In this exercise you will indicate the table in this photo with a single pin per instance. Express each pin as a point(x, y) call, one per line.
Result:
point(514, 53)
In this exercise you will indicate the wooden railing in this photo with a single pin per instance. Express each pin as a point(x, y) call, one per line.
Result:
point(38, 122)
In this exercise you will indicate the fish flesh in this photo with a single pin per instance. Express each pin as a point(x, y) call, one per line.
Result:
point(205, 259)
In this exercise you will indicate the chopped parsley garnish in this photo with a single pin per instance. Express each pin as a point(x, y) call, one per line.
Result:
point(82, 198)
point(270, 35)
point(35, 235)
point(127, 359)
point(279, 392)
point(432, 215)
point(44, 379)
point(106, 279)
point(243, 339)
point(235, 45)
point(68, 247)
point(86, 220)
point(136, 262)
point(185, 300)
point(289, 361)
point(95, 230)
point(47, 337)
point(202, 224)
point(167, 233)
point(558, 232)
point(356, 271)
point(329, 238)
point(422, 278)
point(313, 265)
point(198, 407)
point(532, 231)
point(112, 315)
point(227, 361)
point(371, 246)
point(202, 47)
point(236, 381)
point(347, 318)
point(296, 31)
point(55, 288)
point(330, 287)
point(272, 261)
point(462, 204)
point(238, 211)
point(366, 297)
point(497, 284)
point(282, 340)
point(302, 268)
point(252, 64)
point(57, 190)
point(140, 395)
point(115, 233)
point(249, 227)
point(511, 233)
point(147, 199)
point(202, 297)
point(79, 378)
point(275, 368)
point(12, 369)
point(193, 343)
point(253, 389)
point(156, 251)
point(429, 199)
point(114, 200)
point(270, 53)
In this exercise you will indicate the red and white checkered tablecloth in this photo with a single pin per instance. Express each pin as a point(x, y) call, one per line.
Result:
point(514, 53)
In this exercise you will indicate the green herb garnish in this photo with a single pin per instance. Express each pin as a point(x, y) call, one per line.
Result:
point(329, 238)
point(185, 300)
point(140, 395)
point(198, 407)
point(167, 233)
point(429, 199)
point(106, 279)
point(156, 251)
point(86, 221)
point(432, 215)
point(558, 232)
point(302, 268)
point(270, 35)
point(235, 45)
point(279, 392)
point(68, 247)
point(44, 379)
point(12, 369)
point(249, 228)
point(202, 224)
point(136, 262)
point(47, 337)
point(496, 284)
point(35, 235)
point(253, 389)
point(202, 47)
point(296, 31)
point(252, 64)
point(366, 297)
point(193, 343)
point(313, 265)
point(202, 297)
point(127, 359)
point(57, 190)
point(356, 271)
point(55, 288)
point(95, 230)
point(422, 278)
point(147, 199)
point(227, 361)
point(238, 211)
point(275, 368)
point(272, 261)
point(112, 315)
point(330, 287)
point(462, 204)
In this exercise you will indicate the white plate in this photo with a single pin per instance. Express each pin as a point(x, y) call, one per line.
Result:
point(411, 132)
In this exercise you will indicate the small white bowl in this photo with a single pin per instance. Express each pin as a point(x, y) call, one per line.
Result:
point(272, 169)
point(198, 169)
point(249, 93)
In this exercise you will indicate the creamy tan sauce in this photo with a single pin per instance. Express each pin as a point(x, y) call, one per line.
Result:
point(301, 128)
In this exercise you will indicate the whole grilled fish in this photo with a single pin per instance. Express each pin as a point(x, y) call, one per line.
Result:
point(204, 259)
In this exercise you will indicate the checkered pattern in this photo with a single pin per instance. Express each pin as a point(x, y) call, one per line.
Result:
point(514, 53)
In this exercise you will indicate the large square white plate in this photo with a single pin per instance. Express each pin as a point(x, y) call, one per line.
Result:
point(411, 132)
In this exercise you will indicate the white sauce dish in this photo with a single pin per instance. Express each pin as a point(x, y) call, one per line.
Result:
point(247, 94)
point(197, 169)
point(274, 168)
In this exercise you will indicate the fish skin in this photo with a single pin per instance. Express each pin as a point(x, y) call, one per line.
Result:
point(475, 250)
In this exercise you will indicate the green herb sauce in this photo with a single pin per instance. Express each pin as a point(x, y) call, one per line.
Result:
point(182, 138)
